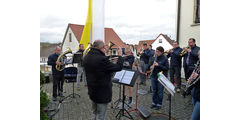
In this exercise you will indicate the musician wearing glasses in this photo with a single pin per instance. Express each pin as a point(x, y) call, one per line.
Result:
point(98, 70)
point(175, 64)
point(58, 76)
point(190, 58)
point(159, 65)
point(145, 55)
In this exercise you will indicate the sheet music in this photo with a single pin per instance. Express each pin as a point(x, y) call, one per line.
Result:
point(127, 78)
point(119, 75)
point(167, 83)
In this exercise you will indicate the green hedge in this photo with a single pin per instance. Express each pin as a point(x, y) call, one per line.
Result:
point(44, 101)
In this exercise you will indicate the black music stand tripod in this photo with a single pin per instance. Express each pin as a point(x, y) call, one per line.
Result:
point(128, 78)
point(73, 94)
point(170, 88)
point(123, 109)
point(117, 102)
point(77, 58)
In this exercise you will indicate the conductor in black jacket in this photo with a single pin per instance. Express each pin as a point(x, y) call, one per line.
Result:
point(98, 70)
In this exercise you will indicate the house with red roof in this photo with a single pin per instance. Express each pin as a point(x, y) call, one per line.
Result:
point(73, 35)
point(161, 40)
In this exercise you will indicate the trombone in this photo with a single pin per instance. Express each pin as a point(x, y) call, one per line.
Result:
point(183, 52)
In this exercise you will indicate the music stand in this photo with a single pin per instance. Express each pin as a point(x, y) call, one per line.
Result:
point(170, 88)
point(117, 102)
point(77, 58)
point(72, 74)
point(128, 78)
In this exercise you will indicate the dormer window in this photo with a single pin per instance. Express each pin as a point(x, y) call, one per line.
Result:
point(160, 40)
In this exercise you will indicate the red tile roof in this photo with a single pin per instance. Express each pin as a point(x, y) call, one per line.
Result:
point(110, 35)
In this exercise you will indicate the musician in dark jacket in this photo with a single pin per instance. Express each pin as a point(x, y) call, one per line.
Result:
point(175, 64)
point(152, 52)
point(160, 65)
point(81, 72)
point(58, 76)
point(196, 92)
point(190, 58)
point(145, 55)
point(128, 62)
point(98, 70)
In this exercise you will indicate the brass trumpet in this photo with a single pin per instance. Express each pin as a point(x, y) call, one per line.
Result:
point(141, 52)
point(167, 52)
point(183, 52)
point(62, 66)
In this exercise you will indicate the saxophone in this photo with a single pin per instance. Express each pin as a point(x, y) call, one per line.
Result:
point(192, 81)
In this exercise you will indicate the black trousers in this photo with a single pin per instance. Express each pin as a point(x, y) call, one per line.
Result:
point(187, 72)
point(58, 81)
point(174, 70)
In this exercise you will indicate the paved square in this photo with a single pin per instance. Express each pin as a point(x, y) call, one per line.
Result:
point(80, 108)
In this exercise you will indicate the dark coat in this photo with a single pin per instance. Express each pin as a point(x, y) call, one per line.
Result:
point(176, 59)
point(196, 91)
point(163, 66)
point(98, 70)
point(130, 59)
point(52, 61)
point(81, 52)
point(145, 56)
point(192, 59)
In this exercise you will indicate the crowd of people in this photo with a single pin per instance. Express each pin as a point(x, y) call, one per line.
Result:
point(96, 72)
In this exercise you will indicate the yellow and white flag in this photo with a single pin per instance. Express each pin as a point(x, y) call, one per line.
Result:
point(94, 26)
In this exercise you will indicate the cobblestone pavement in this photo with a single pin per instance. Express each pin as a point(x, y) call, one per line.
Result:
point(80, 108)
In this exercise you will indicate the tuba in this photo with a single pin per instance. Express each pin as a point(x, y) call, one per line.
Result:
point(60, 59)
point(87, 49)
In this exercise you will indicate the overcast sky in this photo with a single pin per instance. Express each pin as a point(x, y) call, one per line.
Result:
point(132, 20)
